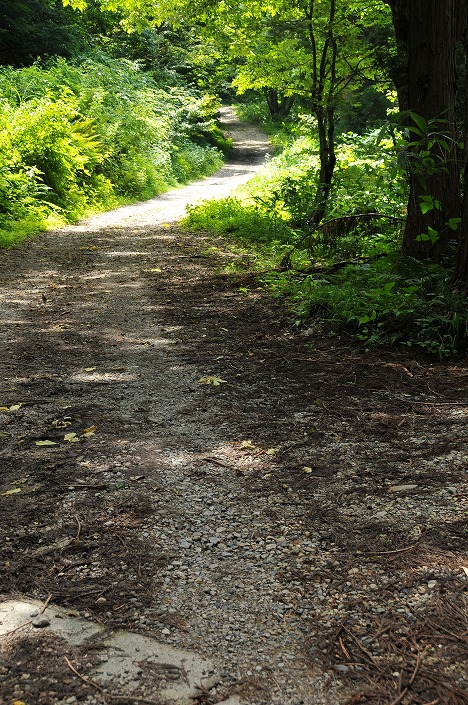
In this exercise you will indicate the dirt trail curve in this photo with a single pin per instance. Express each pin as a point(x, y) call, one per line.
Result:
point(199, 504)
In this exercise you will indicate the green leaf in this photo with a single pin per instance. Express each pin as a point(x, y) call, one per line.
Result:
point(453, 223)
point(420, 122)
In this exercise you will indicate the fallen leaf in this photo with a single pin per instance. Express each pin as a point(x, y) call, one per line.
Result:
point(271, 451)
point(71, 438)
point(216, 381)
point(13, 407)
point(15, 491)
point(465, 569)
point(89, 369)
point(89, 431)
point(61, 424)
point(46, 443)
point(307, 469)
point(247, 444)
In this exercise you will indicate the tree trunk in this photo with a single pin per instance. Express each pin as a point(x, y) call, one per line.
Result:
point(460, 274)
point(327, 159)
point(279, 107)
point(431, 95)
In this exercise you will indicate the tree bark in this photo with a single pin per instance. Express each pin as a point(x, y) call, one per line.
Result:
point(279, 106)
point(431, 95)
point(460, 274)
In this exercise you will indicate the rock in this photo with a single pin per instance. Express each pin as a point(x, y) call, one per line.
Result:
point(341, 668)
point(41, 621)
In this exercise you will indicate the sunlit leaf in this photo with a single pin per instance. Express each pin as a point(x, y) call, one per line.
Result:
point(8, 492)
point(247, 444)
point(71, 438)
point(89, 369)
point(216, 381)
point(46, 443)
point(307, 469)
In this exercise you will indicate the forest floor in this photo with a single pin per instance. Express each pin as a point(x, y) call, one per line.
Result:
point(200, 503)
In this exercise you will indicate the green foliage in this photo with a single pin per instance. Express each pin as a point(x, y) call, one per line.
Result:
point(85, 137)
point(379, 297)
point(246, 224)
point(390, 301)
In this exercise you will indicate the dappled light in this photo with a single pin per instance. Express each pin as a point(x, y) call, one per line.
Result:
point(233, 322)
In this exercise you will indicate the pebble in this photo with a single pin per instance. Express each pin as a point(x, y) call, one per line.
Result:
point(41, 621)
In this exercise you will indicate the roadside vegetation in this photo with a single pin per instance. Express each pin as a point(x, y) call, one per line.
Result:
point(346, 273)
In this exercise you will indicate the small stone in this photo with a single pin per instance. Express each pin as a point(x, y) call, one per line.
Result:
point(431, 584)
point(25, 676)
point(165, 631)
point(401, 488)
point(40, 621)
point(341, 668)
point(101, 601)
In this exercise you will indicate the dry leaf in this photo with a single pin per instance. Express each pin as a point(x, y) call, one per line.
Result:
point(71, 438)
point(247, 444)
point(89, 369)
point(89, 431)
point(307, 469)
point(465, 569)
point(46, 443)
point(271, 451)
point(216, 381)
point(61, 424)
point(13, 407)
point(15, 491)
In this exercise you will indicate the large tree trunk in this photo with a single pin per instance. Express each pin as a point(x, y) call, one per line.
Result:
point(431, 95)
point(460, 275)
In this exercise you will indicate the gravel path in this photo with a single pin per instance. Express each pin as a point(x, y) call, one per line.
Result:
point(285, 505)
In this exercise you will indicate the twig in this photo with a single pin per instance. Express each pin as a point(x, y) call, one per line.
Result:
point(46, 603)
point(218, 462)
point(360, 646)
point(16, 629)
point(112, 696)
point(88, 681)
point(410, 682)
point(77, 537)
point(379, 553)
point(343, 648)
point(82, 485)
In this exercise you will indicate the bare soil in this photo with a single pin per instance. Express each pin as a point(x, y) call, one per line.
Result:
point(284, 502)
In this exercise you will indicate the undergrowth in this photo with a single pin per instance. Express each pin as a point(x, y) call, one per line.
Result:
point(82, 137)
point(347, 273)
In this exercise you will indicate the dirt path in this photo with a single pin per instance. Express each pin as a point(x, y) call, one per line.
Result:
point(298, 527)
